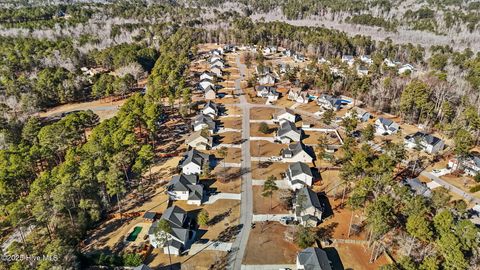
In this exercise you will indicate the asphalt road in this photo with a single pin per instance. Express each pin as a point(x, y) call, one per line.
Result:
point(246, 206)
point(452, 188)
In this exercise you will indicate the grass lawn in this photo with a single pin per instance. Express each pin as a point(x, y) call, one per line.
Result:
point(229, 137)
point(232, 122)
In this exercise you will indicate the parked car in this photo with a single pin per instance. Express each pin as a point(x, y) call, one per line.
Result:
point(286, 220)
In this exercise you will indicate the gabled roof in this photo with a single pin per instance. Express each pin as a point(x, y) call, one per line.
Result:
point(286, 110)
point(181, 182)
point(311, 198)
point(334, 101)
point(298, 168)
point(208, 89)
point(204, 119)
point(386, 122)
point(211, 104)
point(425, 137)
point(177, 217)
point(418, 187)
point(286, 127)
point(211, 74)
point(196, 192)
point(314, 259)
point(195, 135)
point(194, 156)
point(294, 148)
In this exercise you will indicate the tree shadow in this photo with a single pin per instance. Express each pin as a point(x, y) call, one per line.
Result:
point(326, 232)
point(218, 218)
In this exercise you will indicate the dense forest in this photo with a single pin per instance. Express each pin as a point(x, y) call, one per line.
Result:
point(62, 182)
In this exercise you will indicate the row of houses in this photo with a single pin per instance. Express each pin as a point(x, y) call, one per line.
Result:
point(208, 79)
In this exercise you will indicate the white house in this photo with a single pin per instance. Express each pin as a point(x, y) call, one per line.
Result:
point(262, 70)
point(268, 92)
point(385, 126)
point(215, 58)
point(407, 68)
point(288, 133)
point(184, 187)
point(296, 152)
point(390, 63)
point(348, 59)
point(217, 63)
point(470, 164)
point(210, 109)
point(202, 121)
point(180, 235)
point(328, 102)
point(366, 59)
point(270, 50)
point(207, 76)
point(204, 83)
point(308, 208)
point(288, 52)
point(216, 52)
point(296, 94)
point(362, 71)
point(283, 115)
point(426, 142)
point(267, 79)
point(193, 162)
point(362, 114)
point(299, 57)
point(313, 259)
point(199, 141)
point(217, 71)
point(298, 175)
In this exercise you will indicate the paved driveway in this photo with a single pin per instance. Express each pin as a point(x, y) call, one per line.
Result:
point(270, 217)
point(451, 187)
point(223, 196)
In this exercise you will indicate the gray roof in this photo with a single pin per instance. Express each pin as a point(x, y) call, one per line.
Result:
point(196, 192)
point(293, 149)
point(195, 156)
point(196, 135)
point(208, 73)
point(314, 259)
point(181, 182)
point(418, 187)
point(286, 127)
point(334, 101)
point(311, 198)
point(425, 137)
point(298, 168)
point(208, 88)
point(386, 122)
point(176, 216)
point(142, 267)
point(476, 160)
point(211, 104)
point(204, 119)
point(149, 215)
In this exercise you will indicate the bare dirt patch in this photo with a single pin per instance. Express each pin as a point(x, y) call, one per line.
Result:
point(229, 137)
point(255, 132)
point(232, 122)
point(262, 170)
point(261, 205)
point(260, 113)
point(104, 108)
point(267, 245)
point(356, 257)
point(265, 148)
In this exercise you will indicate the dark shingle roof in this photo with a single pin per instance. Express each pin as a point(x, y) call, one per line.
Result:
point(427, 138)
point(181, 182)
point(418, 187)
point(204, 119)
point(286, 127)
point(211, 104)
point(298, 168)
point(311, 198)
point(194, 156)
point(293, 149)
point(314, 259)
point(142, 267)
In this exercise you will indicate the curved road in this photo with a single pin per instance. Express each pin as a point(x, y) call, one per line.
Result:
point(246, 206)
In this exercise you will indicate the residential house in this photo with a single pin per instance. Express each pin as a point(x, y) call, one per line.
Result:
point(348, 59)
point(384, 126)
point(366, 59)
point(298, 175)
point(204, 83)
point(426, 142)
point(215, 58)
point(390, 63)
point(313, 259)
point(418, 187)
point(180, 235)
point(199, 141)
point(362, 71)
point(184, 187)
point(149, 216)
point(288, 53)
point(193, 162)
point(202, 121)
point(328, 102)
point(207, 76)
point(299, 57)
point(216, 52)
point(296, 152)
point(288, 133)
point(362, 114)
point(308, 208)
point(262, 70)
point(268, 92)
point(296, 94)
point(285, 114)
point(270, 50)
point(470, 164)
point(322, 60)
point(210, 92)
point(142, 267)
point(217, 63)
point(267, 79)
point(406, 69)
point(229, 48)
point(211, 109)
point(217, 71)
